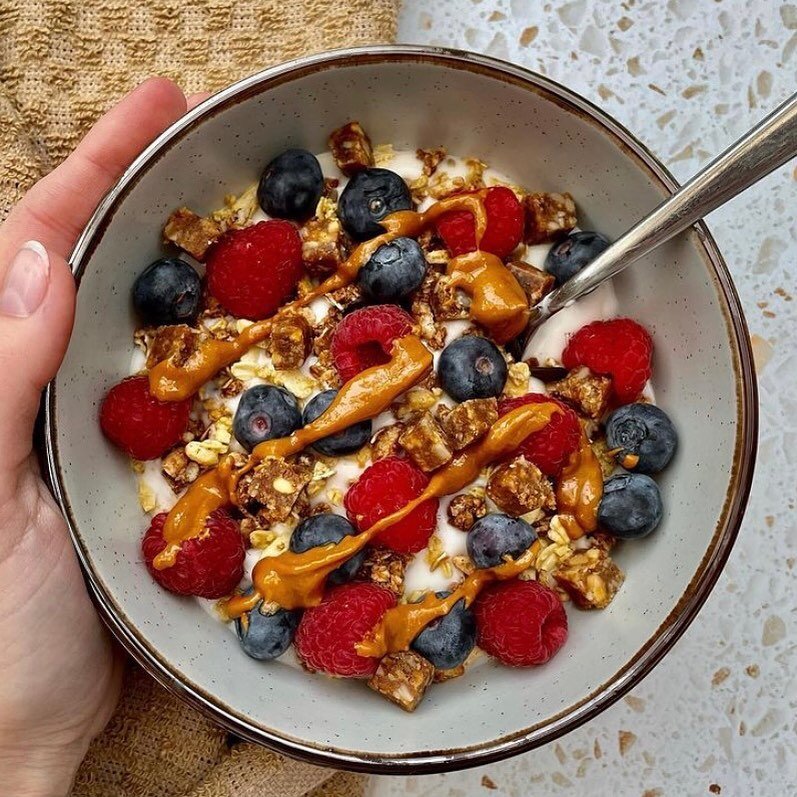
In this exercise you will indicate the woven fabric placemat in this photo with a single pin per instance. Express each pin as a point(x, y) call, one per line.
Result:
point(62, 64)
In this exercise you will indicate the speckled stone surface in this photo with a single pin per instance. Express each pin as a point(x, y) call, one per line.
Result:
point(717, 716)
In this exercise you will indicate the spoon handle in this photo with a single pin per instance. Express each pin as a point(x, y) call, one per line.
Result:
point(768, 145)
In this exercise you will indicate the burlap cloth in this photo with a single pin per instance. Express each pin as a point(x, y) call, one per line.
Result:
point(62, 63)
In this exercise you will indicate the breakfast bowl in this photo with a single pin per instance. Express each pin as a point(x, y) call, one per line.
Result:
point(542, 135)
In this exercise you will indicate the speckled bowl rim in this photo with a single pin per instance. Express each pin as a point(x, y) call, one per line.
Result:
point(694, 596)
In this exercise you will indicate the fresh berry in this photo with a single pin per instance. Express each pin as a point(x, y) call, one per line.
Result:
point(570, 255)
point(631, 506)
point(472, 367)
point(347, 441)
point(328, 632)
point(504, 225)
point(394, 271)
point(141, 425)
point(167, 292)
point(550, 447)
point(447, 640)
point(643, 436)
point(323, 529)
point(266, 635)
point(495, 536)
point(365, 337)
point(382, 489)
point(291, 185)
point(254, 270)
point(368, 197)
point(208, 566)
point(620, 348)
point(265, 412)
point(520, 623)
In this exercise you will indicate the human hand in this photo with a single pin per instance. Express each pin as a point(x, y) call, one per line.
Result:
point(59, 672)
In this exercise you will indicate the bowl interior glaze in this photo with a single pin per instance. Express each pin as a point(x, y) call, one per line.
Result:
point(545, 138)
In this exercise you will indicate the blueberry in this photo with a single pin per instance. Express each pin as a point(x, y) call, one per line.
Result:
point(645, 431)
point(569, 256)
point(167, 292)
point(322, 529)
point(291, 185)
point(472, 367)
point(335, 445)
point(265, 412)
point(497, 535)
point(447, 641)
point(368, 197)
point(394, 271)
point(631, 506)
point(266, 636)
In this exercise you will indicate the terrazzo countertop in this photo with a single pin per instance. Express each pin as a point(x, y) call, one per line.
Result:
point(718, 715)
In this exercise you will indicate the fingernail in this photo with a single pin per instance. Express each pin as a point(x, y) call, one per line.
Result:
point(26, 281)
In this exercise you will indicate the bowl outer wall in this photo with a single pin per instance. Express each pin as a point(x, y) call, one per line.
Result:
point(704, 377)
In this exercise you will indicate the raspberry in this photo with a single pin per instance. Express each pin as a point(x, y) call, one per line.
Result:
point(520, 623)
point(254, 270)
point(504, 225)
point(385, 487)
point(141, 425)
point(328, 632)
point(208, 566)
point(550, 447)
point(364, 338)
point(620, 348)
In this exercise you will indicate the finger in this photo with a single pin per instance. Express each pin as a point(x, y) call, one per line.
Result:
point(37, 304)
point(195, 99)
point(57, 208)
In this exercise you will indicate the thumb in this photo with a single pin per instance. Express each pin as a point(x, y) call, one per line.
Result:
point(37, 307)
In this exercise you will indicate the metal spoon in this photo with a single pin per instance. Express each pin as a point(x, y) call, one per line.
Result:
point(771, 143)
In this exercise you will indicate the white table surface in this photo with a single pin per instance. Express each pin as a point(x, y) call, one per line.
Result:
point(717, 716)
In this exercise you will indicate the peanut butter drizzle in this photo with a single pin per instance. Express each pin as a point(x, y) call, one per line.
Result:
point(579, 491)
point(171, 382)
point(297, 581)
point(400, 625)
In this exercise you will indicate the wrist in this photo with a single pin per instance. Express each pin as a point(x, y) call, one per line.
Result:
point(38, 771)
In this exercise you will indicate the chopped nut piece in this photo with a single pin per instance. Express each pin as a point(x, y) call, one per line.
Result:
point(548, 217)
point(386, 442)
point(426, 443)
point(403, 678)
point(464, 510)
point(431, 159)
point(590, 580)
point(270, 491)
point(519, 486)
point(446, 675)
point(448, 303)
point(585, 391)
point(535, 282)
point(176, 343)
point(178, 469)
point(191, 232)
point(237, 210)
point(469, 421)
point(322, 240)
point(290, 341)
point(351, 148)
point(146, 496)
point(385, 568)
point(463, 564)
point(415, 401)
point(517, 380)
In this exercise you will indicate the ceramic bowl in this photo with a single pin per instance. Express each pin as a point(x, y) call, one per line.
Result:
point(544, 136)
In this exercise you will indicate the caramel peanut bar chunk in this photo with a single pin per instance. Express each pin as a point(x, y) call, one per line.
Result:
point(270, 491)
point(385, 568)
point(291, 339)
point(426, 443)
point(464, 510)
point(176, 343)
point(535, 282)
point(519, 486)
point(403, 678)
point(192, 233)
point(386, 442)
point(548, 217)
point(322, 240)
point(590, 578)
point(469, 421)
point(585, 391)
point(351, 148)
